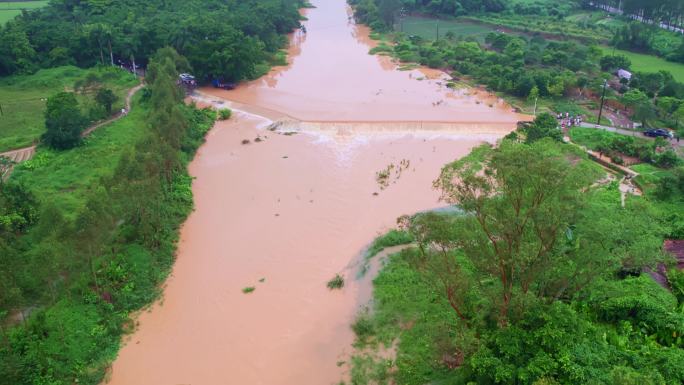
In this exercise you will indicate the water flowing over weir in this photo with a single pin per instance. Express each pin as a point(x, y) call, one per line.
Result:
point(294, 210)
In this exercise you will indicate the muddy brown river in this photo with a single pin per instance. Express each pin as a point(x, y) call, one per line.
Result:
point(284, 214)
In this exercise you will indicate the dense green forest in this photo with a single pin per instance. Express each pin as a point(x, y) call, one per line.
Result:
point(231, 39)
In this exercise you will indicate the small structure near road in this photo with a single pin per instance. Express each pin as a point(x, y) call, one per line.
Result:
point(187, 81)
point(624, 74)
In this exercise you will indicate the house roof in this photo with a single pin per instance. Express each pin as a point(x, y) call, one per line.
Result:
point(624, 74)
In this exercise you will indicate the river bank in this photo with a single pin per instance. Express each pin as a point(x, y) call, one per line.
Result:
point(283, 211)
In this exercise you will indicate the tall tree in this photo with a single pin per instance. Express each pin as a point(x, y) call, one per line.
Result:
point(518, 201)
point(63, 121)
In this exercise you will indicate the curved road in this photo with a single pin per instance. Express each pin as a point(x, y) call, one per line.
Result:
point(26, 153)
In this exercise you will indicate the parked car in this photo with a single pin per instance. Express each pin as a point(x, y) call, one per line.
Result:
point(658, 132)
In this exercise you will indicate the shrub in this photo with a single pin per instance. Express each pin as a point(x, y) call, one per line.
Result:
point(64, 121)
point(225, 114)
point(248, 289)
point(363, 327)
point(106, 98)
point(336, 283)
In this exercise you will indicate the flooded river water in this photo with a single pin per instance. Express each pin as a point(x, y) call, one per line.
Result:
point(285, 213)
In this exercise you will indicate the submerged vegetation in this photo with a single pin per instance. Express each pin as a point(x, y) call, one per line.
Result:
point(336, 283)
point(248, 289)
point(531, 283)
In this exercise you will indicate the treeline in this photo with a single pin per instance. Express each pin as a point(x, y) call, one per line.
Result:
point(79, 275)
point(381, 14)
point(670, 12)
point(645, 38)
point(229, 39)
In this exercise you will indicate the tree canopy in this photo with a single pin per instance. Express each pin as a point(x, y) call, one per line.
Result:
point(226, 39)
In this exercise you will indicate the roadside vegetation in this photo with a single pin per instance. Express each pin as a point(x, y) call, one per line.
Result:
point(87, 235)
point(23, 99)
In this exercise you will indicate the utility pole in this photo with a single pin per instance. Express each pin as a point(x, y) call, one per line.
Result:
point(535, 106)
point(603, 98)
point(437, 24)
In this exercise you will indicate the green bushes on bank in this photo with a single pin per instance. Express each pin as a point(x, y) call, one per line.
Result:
point(85, 266)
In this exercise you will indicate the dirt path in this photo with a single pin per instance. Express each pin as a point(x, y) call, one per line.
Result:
point(118, 115)
point(26, 153)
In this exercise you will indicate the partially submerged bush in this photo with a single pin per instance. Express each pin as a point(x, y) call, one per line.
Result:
point(248, 289)
point(336, 283)
point(225, 114)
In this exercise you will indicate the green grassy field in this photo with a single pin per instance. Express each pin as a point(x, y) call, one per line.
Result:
point(65, 177)
point(592, 138)
point(650, 63)
point(10, 9)
point(427, 28)
point(22, 99)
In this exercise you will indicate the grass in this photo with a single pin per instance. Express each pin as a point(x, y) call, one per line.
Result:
point(65, 178)
point(650, 63)
point(591, 137)
point(391, 238)
point(336, 283)
point(649, 175)
point(8, 14)
point(22, 99)
point(9, 10)
point(547, 25)
point(407, 313)
point(427, 28)
point(225, 113)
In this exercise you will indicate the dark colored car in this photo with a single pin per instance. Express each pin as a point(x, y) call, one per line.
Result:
point(658, 132)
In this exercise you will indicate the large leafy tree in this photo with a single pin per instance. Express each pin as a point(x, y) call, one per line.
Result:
point(64, 121)
point(518, 201)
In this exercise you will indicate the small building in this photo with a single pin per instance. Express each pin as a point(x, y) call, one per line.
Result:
point(624, 74)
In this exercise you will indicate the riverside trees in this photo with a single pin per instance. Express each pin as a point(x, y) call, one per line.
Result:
point(220, 38)
point(82, 269)
point(528, 281)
